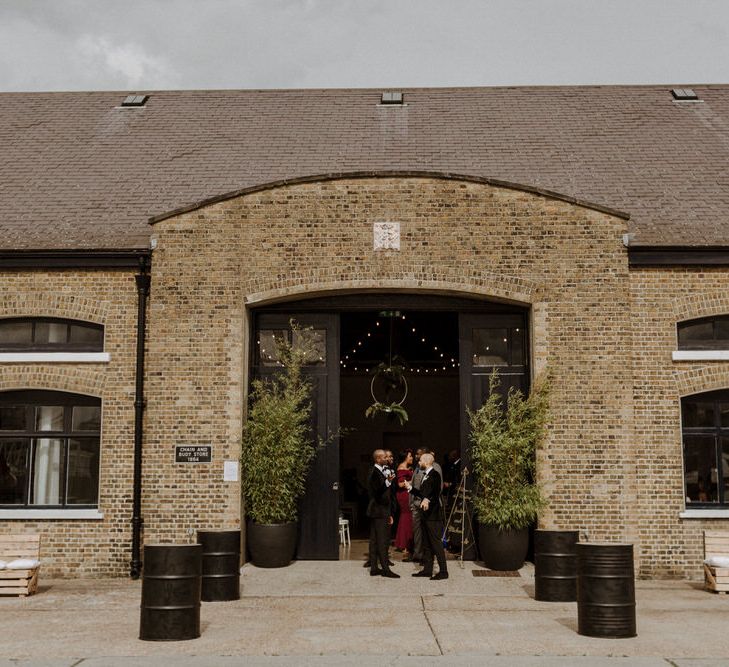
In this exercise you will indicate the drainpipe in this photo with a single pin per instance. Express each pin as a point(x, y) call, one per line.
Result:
point(143, 280)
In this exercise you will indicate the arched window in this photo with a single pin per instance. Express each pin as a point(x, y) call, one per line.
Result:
point(45, 334)
point(49, 450)
point(707, 333)
point(706, 449)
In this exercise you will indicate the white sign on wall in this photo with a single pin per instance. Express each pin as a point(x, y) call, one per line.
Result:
point(387, 235)
point(230, 471)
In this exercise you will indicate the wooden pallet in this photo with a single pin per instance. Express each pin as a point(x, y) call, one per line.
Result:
point(19, 582)
point(716, 578)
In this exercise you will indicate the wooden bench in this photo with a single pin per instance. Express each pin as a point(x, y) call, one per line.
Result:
point(19, 582)
point(716, 578)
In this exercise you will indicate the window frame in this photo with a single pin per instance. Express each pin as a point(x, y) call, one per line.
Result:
point(30, 399)
point(716, 398)
point(712, 344)
point(67, 346)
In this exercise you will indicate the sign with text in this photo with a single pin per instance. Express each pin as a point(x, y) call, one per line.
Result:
point(193, 453)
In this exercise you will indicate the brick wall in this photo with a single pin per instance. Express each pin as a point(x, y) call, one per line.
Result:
point(568, 262)
point(660, 298)
point(84, 547)
point(612, 464)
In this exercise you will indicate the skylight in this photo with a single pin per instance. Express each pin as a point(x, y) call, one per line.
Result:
point(135, 100)
point(684, 94)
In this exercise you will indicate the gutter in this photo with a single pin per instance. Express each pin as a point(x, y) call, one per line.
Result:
point(678, 255)
point(143, 282)
point(72, 259)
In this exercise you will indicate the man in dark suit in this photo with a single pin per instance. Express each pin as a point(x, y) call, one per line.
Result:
point(379, 513)
point(429, 494)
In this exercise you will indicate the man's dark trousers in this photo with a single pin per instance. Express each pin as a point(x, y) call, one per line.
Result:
point(433, 546)
point(379, 538)
point(378, 511)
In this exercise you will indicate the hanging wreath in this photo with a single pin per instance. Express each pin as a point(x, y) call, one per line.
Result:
point(393, 376)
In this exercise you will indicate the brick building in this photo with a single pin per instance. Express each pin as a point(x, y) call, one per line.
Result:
point(151, 245)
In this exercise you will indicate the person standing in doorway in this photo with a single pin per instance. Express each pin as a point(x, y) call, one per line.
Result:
point(430, 509)
point(404, 535)
point(379, 513)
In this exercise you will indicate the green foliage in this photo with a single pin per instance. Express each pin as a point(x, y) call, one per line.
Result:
point(389, 409)
point(503, 451)
point(393, 375)
point(278, 444)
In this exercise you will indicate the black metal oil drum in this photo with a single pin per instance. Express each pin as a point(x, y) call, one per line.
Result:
point(605, 590)
point(171, 592)
point(555, 565)
point(220, 564)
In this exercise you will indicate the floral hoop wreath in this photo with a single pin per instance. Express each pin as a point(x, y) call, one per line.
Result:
point(376, 400)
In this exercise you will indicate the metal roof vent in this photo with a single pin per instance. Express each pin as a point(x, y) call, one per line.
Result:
point(135, 100)
point(392, 97)
point(684, 94)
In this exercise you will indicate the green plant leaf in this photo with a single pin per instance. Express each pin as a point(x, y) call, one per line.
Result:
point(504, 441)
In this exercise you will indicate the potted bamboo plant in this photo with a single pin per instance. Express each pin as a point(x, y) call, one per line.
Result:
point(507, 498)
point(277, 452)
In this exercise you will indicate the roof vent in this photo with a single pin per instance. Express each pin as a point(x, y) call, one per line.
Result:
point(135, 100)
point(684, 94)
point(391, 97)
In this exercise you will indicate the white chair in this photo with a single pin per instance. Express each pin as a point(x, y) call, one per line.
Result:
point(344, 531)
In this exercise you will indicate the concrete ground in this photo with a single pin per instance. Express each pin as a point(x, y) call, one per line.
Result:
point(334, 613)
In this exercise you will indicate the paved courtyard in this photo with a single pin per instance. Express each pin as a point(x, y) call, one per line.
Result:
point(335, 613)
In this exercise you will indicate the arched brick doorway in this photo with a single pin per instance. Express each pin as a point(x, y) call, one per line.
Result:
point(471, 336)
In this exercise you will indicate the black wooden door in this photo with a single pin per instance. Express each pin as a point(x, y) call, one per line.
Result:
point(488, 342)
point(319, 508)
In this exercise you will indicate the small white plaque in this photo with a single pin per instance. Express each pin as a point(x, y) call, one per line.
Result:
point(387, 235)
point(230, 471)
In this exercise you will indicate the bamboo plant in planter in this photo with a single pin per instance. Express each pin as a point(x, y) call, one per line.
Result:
point(507, 498)
point(277, 452)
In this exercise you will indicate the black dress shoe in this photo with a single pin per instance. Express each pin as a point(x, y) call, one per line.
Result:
point(376, 573)
point(390, 574)
point(366, 564)
point(422, 574)
point(390, 563)
point(440, 575)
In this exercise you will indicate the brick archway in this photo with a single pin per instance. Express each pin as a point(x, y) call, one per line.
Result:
point(445, 280)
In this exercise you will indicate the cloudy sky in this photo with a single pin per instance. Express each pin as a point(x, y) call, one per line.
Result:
point(162, 44)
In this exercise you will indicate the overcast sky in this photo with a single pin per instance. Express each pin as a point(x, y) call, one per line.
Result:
point(162, 44)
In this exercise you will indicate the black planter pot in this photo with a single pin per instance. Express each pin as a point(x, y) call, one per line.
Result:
point(503, 549)
point(271, 544)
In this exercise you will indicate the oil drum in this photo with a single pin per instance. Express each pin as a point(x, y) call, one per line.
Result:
point(605, 590)
point(171, 592)
point(555, 565)
point(220, 564)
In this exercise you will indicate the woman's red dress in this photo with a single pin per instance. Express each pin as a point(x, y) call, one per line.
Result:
point(404, 535)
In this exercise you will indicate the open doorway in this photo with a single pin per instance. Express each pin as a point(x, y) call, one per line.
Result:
point(425, 345)
point(448, 345)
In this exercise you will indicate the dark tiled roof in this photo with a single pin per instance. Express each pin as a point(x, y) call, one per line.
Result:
point(77, 171)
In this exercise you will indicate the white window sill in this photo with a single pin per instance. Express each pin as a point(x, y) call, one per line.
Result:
point(701, 355)
point(54, 357)
point(704, 514)
point(50, 514)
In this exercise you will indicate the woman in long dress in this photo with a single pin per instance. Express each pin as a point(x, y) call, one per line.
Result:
point(404, 535)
